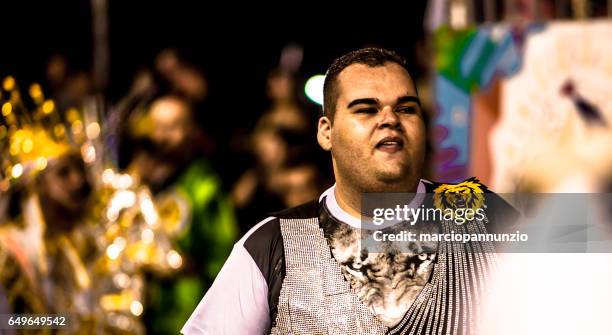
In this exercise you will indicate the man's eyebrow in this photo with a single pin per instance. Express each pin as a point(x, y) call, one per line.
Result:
point(366, 101)
point(409, 98)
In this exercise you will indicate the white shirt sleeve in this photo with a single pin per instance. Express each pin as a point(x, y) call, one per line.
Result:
point(237, 301)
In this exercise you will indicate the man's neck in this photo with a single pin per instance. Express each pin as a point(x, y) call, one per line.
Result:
point(349, 198)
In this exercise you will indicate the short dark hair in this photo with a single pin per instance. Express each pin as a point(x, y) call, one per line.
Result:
point(372, 57)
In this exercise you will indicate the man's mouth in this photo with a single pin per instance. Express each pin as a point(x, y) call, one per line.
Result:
point(390, 144)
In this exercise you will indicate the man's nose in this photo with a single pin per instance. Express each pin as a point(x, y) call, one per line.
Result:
point(388, 118)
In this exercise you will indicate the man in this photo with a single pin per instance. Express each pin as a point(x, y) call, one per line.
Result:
point(281, 276)
point(177, 175)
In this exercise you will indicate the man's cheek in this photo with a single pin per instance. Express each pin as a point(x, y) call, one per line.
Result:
point(416, 137)
point(336, 139)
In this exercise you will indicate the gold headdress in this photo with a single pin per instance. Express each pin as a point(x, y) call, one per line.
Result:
point(33, 131)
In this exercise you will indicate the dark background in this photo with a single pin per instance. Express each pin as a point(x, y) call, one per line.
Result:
point(234, 45)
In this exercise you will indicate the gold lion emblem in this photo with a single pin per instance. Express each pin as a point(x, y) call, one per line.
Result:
point(467, 194)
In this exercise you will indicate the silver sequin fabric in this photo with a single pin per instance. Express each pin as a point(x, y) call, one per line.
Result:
point(317, 297)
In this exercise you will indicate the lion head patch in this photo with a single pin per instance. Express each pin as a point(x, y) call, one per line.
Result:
point(467, 194)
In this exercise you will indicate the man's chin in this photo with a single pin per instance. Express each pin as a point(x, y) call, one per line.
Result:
point(391, 175)
point(391, 180)
point(395, 178)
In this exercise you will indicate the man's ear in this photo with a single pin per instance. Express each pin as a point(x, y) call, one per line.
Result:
point(324, 133)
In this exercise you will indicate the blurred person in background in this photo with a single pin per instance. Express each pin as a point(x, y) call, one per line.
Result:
point(253, 194)
point(170, 75)
point(46, 245)
point(301, 179)
point(57, 222)
point(284, 159)
point(278, 133)
point(182, 77)
point(580, 170)
point(173, 166)
point(51, 207)
point(68, 85)
point(284, 112)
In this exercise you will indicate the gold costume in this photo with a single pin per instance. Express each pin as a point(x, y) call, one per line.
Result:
point(93, 272)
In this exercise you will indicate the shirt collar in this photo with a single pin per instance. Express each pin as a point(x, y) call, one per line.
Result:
point(329, 198)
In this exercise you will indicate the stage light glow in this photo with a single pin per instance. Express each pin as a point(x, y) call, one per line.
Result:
point(107, 176)
point(113, 251)
point(136, 308)
point(174, 259)
point(147, 236)
point(41, 163)
point(92, 130)
point(7, 108)
point(17, 170)
point(314, 88)
point(48, 107)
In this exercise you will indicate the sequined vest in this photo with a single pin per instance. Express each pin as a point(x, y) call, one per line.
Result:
point(316, 299)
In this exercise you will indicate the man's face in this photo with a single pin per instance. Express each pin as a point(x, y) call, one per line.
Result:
point(172, 124)
point(65, 182)
point(377, 137)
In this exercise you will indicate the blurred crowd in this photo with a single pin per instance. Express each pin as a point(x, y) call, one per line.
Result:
point(118, 214)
